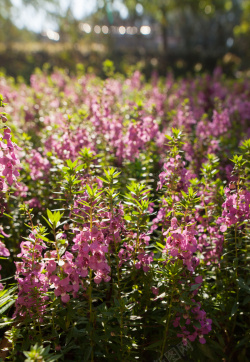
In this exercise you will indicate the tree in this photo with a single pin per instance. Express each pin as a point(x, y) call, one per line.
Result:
point(9, 9)
point(244, 26)
point(242, 34)
point(159, 10)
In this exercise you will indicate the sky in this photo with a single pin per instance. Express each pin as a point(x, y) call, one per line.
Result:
point(39, 21)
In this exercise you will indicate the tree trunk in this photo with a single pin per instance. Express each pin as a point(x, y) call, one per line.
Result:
point(164, 38)
point(164, 32)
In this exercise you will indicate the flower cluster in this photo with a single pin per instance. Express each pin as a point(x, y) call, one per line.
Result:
point(235, 208)
point(9, 163)
point(182, 244)
point(31, 278)
point(190, 331)
point(39, 166)
point(3, 252)
point(175, 175)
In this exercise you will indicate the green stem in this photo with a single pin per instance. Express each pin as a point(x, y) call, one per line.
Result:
point(57, 250)
point(91, 316)
point(90, 294)
point(118, 276)
point(236, 268)
point(137, 237)
point(167, 326)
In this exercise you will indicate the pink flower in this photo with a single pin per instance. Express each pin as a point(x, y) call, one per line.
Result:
point(155, 290)
point(198, 279)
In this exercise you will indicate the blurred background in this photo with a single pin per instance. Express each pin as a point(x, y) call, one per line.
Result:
point(186, 36)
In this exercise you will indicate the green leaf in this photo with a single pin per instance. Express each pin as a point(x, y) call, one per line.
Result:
point(87, 354)
point(206, 351)
point(50, 216)
point(4, 324)
point(160, 245)
point(44, 238)
point(8, 215)
point(243, 285)
point(79, 168)
point(6, 306)
point(246, 300)
point(54, 358)
point(197, 324)
point(89, 190)
point(195, 286)
point(168, 137)
point(154, 345)
point(234, 309)
point(103, 180)
point(127, 217)
point(49, 223)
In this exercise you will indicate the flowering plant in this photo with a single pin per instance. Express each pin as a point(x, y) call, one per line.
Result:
point(124, 218)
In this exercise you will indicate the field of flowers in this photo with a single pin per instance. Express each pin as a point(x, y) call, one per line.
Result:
point(124, 218)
